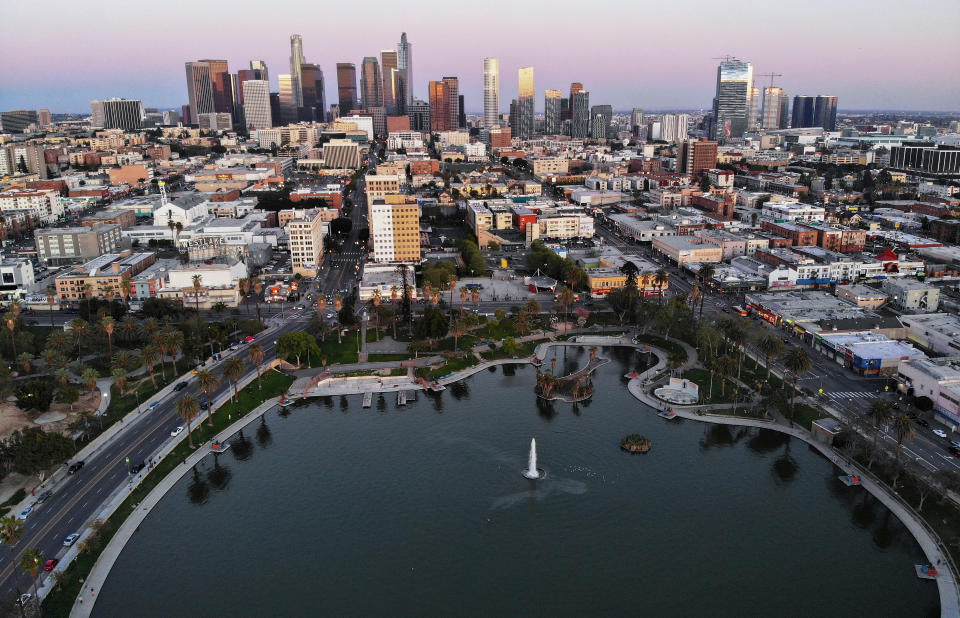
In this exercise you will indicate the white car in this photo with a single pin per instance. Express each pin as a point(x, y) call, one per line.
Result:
point(940, 433)
point(153, 405)
point(25, 513)
point(176, 431)
point(70, 540)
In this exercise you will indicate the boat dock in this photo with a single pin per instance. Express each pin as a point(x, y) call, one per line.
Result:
point(367, 399)
point(401, 398)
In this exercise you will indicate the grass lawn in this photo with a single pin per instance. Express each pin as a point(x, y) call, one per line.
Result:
point(60, 600)
point(702, 379)
point(451, 366)
point(804, 415)
point(671, 347)
point(336, 353)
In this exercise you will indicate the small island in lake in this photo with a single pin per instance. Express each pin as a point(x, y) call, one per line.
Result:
point(636, 443)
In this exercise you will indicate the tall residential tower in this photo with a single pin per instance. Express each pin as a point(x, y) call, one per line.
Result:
point(731, 105)
point(491, 93)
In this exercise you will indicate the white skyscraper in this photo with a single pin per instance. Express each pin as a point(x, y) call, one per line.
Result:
point(296, 60)
point(491, 93)
point(405, 73)
point(256, 104)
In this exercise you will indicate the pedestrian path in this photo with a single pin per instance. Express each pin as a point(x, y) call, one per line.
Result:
point(866, 395)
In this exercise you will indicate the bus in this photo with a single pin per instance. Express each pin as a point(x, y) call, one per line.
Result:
point(740, 310)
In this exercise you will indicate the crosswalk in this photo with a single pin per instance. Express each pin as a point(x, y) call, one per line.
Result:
point(847, 395)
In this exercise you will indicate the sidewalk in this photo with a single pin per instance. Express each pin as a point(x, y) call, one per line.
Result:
point(98, 575)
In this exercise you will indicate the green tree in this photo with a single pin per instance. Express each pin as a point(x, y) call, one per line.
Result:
point(256, 354)
point(234, 369)
point(797, 362)
point(881, 413)
point(31, 561)
point(432, 325)
point(11, 529)
point(770, 346)
point(904, 429)
point(297, 344)
point(207, 382)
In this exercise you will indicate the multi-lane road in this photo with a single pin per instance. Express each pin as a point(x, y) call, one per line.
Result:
point(80, 496)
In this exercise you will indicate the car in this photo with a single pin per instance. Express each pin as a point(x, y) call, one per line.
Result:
point(940, 433)
point(176, 431)
point(75, 467)
point(25, 513)
point(204, 404)
point(922, 422)
point(71, 539)
point(955, 444)
point(25, 599)
point(137, 468)
point(249, 338)
point(44, 497)
point(153, 405)
point(49, 564)
point(180, 386)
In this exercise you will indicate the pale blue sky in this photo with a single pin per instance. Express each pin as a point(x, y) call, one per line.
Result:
point(871, 54)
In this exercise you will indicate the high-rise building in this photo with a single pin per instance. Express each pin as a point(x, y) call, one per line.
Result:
point(579, 112)
point(551, 111)
point(391, 74)
point(674, 127)
point(803, 107)
point(261, 68)
point(755, 114)
point(296, 61)
point(461, 113)
point(731, 105)
point(395, 232)
point(199, 89)
point(775, 105)
point(244, 76)
point(451, 86)
point(288, 105)
point(825, 112)
point(256, 104)
point(525, 103)
point(600, 119)
point(346, 87)
point(306, 234)
point(404, 74)
point(171, 118)
point(22, 158)
point(126, 114)
point(370, 83)
point(491, 92)
point(314, 103)
point(695, 156)
point(575, 87)
point(636, 121)
point(439, 116)
point(43, 118)
point(419, 113)
point(222, 85)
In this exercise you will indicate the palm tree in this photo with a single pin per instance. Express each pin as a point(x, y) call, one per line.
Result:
point(463, 297)
point(108, 324)
point(119, 378)
point(197, 287)
point(394, 297)
point(88, 295)
point(207, 382)
point(904, 429)
point(150, 355)
point(724, 367)
point(337, 306)
point(126, 285)
point(89, 378)
point(11, 321)
point(256, 354)
point(457, 329)
point(11, 529)
point(51, 301)
point(174, 345)
point(375, 302)
point(797, 362)
point(452, 283)
point(79, 328)
point(30, 561)
point(161, 340)
point(257, 289)
point(25, 360)
point(881, 413)
point(187, 409)
point(660, 279)
point(566, 299)
point(234, 369)
point(705, 273)
point(244, 286)
point(769, 346)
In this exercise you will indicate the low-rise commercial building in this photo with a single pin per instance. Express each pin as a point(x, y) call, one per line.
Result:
point(16, 278)
point(912, 296)
point(103, 274)
point(937, 380)
point(866, 353)
point(937, 332)
point(73, 245)
point(862, 296)
point(682, 250)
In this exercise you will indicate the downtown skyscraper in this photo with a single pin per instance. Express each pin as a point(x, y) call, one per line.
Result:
point(444, 104)
point(388, 67)
point(552, 104)
point(313, 99)
point(491, 93)
point(370, 84)
point(775, 106)
point(825, 112)
point(579, 111)
point(803, 107)
point(256, 104)
point(199, 90)
point(404, 74)
point(346, 87)
point(525, 103)
point(731, 104)
point(296, 61)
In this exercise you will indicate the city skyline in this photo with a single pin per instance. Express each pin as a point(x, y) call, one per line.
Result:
point(864, 73)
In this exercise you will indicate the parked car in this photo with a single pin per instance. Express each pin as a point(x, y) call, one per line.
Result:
point(74, 467)
point(44, 497)
point(176, 431)
point(180, 386)
point(25, 513)
point(955, 444)
point(940, 433)
point(49, 564)
point(71, 539)
point(249, 339)
point(153, 405)
point(204, 404)
point(922, 422)
point(137, 468)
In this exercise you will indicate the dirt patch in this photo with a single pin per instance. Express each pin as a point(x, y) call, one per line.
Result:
point(13, 418)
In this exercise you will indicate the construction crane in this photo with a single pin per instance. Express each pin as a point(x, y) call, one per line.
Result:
point(771, 76)
point(725, 57)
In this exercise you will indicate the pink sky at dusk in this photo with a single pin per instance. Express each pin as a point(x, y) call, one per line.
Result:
point(656, 55)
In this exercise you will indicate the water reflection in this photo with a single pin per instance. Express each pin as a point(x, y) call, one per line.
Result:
point(864, 511)
point(722, 435)
point(381, 402)
point(198, 491)
point(460, 390)
point(219, 476)
point(767, 441)
point(509, 369)
point(264, 435)
point(344, 404)
point(327, 401)
point(545, 409)
point(241, 447)
point(785, 467)
point(437, 398)
point(492, 369)
point(883, 535)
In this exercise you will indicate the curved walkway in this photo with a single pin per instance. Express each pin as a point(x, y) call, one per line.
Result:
point(927, 539)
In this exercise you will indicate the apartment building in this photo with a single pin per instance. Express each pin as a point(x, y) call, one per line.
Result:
point(44, 205)
point(306, 242)
point(395, 232)
point(103, 274)
point(379, 186)
point(73, 245)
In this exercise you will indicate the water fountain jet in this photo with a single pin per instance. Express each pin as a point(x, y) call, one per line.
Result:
point(533, 472)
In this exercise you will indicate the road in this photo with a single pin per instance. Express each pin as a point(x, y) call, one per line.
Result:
point(80, 496)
